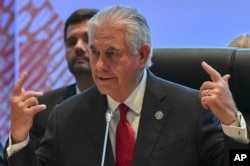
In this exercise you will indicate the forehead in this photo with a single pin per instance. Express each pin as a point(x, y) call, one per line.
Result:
point(82, 27)
point(107, 34)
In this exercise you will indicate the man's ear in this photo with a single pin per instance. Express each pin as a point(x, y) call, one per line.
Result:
point(144, 53)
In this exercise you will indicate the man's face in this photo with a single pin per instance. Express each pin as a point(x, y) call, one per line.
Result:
point(115, 69)
point(77, 51)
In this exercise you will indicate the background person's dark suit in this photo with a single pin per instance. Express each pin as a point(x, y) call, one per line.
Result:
point(186, 136)
point(50, 98)
point(1, 154)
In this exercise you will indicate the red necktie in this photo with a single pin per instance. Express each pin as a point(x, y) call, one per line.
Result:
point(125, 141)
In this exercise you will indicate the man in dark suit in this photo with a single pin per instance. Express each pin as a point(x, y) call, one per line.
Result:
point(76, 44)
point(164, 122)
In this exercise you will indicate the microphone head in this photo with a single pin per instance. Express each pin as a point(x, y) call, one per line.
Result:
point(108, 115)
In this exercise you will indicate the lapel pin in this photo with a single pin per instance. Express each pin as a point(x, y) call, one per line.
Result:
point(159, 115)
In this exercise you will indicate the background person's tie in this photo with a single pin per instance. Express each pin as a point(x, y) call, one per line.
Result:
point(125, 141)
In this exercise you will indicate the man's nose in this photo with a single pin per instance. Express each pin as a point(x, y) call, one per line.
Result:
point(81, 45)
point(102, 62)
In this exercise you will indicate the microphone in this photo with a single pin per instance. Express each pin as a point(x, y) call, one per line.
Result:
point(108, 117)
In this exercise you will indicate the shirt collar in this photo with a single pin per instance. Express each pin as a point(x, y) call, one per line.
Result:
point(77, 89)
point(135, 99)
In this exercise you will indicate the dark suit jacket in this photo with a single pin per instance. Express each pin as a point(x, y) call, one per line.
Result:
point(187, 135)
point(1, 154)
point(50, 98)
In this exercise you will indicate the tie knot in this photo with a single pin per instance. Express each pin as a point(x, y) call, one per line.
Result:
point(123, 108)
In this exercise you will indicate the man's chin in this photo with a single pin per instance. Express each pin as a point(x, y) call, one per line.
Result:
point(101, 87)
point(77, 71)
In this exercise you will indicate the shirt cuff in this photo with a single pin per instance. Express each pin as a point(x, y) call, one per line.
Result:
point(239, 134)
point(11, 149)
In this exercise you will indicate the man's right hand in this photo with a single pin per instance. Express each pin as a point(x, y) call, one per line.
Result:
point(24, 105)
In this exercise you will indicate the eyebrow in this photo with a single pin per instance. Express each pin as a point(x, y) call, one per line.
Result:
point(112, 48)
point(73, 35)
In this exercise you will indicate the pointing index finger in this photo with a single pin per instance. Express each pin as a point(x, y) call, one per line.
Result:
point(18, 86)
point(214, 75)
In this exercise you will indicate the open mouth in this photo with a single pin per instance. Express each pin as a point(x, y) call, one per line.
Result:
point(104, 79)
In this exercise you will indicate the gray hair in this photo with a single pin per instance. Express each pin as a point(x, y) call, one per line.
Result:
point(137, 29)
point(241, 41)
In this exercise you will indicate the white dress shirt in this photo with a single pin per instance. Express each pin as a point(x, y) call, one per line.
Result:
point(134, 102)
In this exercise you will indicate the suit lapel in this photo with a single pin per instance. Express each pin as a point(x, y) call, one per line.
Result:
point(153, 117)
point(97, 126)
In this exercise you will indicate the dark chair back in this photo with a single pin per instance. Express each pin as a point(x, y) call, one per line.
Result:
point(183, 65)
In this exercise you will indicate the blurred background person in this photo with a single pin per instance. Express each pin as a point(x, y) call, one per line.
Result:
point(1, 154)
point(76, 45)
point(241, 41)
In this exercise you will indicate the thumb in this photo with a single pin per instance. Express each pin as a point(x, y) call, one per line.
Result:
point(226, 77)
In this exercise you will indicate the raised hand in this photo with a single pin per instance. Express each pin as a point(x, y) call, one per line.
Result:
point(216, 95)
point(24, 105)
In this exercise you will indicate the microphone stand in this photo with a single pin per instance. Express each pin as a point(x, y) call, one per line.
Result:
point(108, 117)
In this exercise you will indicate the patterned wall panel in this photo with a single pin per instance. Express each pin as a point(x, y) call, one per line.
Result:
point(7, 64)
point(32, 41)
